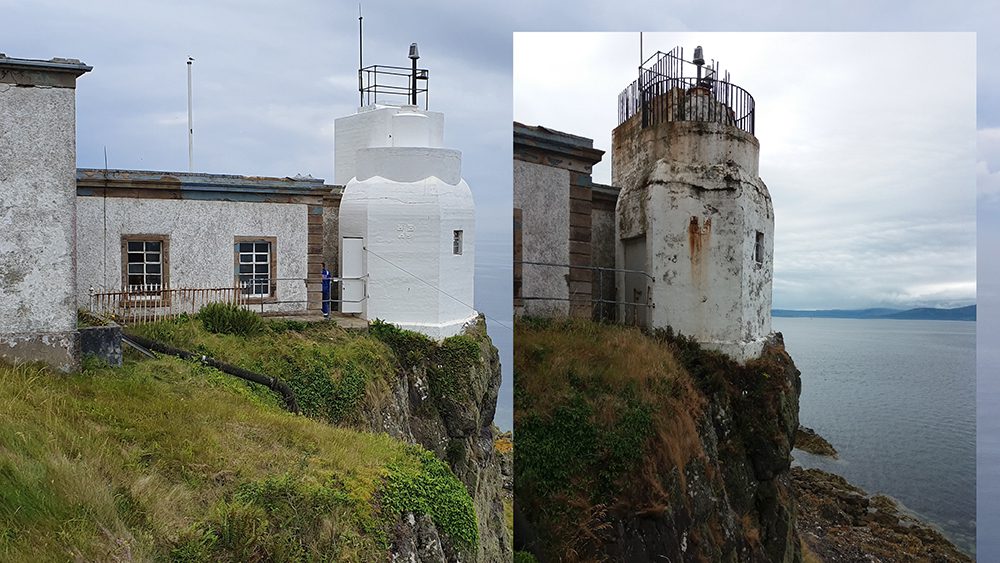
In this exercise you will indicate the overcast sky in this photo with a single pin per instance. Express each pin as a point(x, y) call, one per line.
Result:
point(870, 164)
point(269, 79)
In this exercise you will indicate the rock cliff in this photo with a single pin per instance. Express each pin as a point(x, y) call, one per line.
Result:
point(635, 447)
point(445, 400)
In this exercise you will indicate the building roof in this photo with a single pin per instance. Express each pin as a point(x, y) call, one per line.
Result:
point(564, 148)
point(56, 72)
point(200, 186)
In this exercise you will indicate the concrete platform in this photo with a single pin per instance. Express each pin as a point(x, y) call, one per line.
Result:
point(348, 322)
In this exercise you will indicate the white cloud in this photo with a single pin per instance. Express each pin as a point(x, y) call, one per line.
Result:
point(871, 171)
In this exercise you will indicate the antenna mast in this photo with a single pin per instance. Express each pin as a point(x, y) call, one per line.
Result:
point(361, 59)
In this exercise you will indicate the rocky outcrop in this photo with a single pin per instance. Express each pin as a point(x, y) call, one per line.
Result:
point(806, 439)
point(840, 522)
point(637, 447)
point(732, 501)
point(455, 421)
point(415, 538)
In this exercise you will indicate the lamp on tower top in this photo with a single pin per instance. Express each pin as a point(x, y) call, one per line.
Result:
point(414, 55)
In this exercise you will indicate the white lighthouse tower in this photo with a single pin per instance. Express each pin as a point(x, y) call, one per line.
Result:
point(693, 213)
point(407, 218)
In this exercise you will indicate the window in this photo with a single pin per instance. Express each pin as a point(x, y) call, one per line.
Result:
point(758, 250)
point(255, 266)
point(456, 245)
point(145, 265)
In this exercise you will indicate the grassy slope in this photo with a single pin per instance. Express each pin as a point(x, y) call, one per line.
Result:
point(335, 374)
point(167, 459)
point(599, 407)
point(607, 422)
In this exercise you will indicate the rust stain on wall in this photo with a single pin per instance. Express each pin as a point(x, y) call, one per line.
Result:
point(699, 239)
point(694, 238)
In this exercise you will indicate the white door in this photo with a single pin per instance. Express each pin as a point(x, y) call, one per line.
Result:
point(352, 266)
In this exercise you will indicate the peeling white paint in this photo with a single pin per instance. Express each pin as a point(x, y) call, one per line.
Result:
point(691, 189)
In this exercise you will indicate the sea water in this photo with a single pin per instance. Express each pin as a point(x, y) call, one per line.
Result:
point(494, 298)
point(897, 399)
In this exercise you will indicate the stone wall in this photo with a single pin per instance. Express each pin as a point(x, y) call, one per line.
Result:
point(201, 238)
point(602, 246)
point(331, 237)
point(38, 211)
point(541, 193)
point(553, 201)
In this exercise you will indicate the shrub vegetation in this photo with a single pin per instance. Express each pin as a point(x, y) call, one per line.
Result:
point(164, 459)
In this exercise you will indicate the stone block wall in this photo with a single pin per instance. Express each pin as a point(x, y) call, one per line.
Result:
point(38, 211)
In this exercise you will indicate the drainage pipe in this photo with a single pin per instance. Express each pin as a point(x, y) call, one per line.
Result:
point(272, 383)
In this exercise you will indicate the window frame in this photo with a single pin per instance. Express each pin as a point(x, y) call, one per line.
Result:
point(272, 268)
point(163, 298)
point(758, 248)
point(457, 242)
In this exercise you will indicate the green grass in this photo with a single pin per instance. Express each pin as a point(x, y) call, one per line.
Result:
point(423, 484)
point(600, 409)
point(169, 460)
point(336, 376)
point(448, 363)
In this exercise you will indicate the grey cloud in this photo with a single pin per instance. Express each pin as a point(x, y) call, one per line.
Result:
point(872, 174)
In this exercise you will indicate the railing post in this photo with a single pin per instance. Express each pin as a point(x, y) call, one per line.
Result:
point(600, 294)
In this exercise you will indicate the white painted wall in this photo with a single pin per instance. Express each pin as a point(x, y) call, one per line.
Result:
point(202, 235)
point(542, 194)
point(406, 202)
point(37, 230)
point(700, 210)
point(382, 126)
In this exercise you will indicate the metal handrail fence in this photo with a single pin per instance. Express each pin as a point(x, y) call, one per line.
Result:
point(601, 308)
point(662, 93)
point(376, 80)
point(149, 303)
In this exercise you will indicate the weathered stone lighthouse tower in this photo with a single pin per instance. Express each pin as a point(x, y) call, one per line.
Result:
point(693, 212)
point(407, 219)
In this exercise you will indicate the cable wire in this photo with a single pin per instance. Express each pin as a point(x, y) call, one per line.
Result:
point(436, 288)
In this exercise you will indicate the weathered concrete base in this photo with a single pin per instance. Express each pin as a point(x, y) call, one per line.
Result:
point(440, 331)
point(105, 342)
point(57, 349)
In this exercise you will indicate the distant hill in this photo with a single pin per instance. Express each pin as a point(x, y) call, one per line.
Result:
point(923, 313)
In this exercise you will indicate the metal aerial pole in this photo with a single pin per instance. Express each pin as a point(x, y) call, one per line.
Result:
point(190, 121)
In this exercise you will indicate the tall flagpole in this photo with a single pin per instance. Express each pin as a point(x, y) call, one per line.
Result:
point(190, 121)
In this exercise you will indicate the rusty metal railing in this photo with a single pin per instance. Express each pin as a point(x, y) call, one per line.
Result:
point(670, 88)
point(138, 304)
